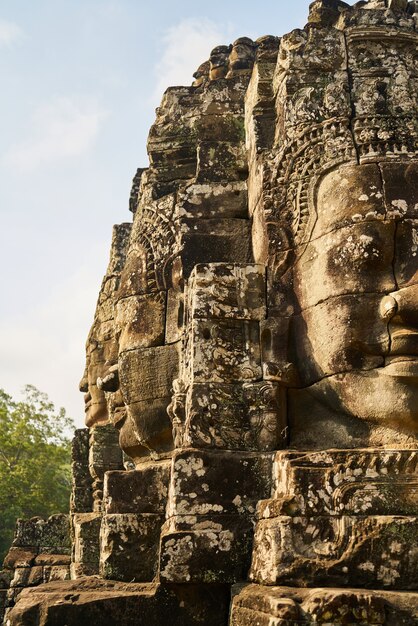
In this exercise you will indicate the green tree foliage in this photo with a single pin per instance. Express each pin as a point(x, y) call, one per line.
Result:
point(35, 457)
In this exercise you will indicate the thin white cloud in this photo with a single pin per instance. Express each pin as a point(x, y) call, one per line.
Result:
point(10, 33)
point(185, 46)
point(63, 128)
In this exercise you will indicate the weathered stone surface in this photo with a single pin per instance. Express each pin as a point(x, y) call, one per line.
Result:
point(338, 346)
point(223, 291)
point(53, 532)
point(148, 374)
point(129, 546)
point(339, 518)
point(362, 253)
point(211, 503)
point(204, 482)
point(56, 572)
point(248, 416)
point(287, 606)
point(174, 316)
point(104, 455)
point(86, 546)
point(358, 482)
point(337, 551)
point(204, 201)
point(53, 559)
point(225, 351)
point(140, 491)
point(215, 550)
point(140, 321)
point(20, 557)
point(214, 240)
point(92, 600)
point(81, 489)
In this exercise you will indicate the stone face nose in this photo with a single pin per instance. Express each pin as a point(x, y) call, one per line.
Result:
point(388, 308)
point(406, 312)
point(83, 384)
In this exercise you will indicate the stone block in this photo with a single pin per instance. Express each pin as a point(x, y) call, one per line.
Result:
point(341, 551)
point(129, 546)
point(213, 200)
point(56, 572)
point(225, 351)
point(140, 491)
point(174, 316)
point(339, 346)
point(82, 497)
point(86, 532)
point(148, 373)
point(54, 531)
point(218, 482)
point(105, 453)
point(362, 253)
point(214, 240)
point(221, 128)
point(95, 601)
point(53, 559)
point(249, 416)
point(173, 164)
point(226, 291)
point(217, 552)
point(36, 576)
point(221, 161)
point(20, 557)
point(350, 482)
point(140, 321)
point(21, 576)
point(287, 606)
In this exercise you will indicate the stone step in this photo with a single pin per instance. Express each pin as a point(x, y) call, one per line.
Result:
point(93, 601)
point(343, 482)
point(286, 606)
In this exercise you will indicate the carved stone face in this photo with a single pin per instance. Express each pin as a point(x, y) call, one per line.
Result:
point(242, 55)
point(219, 62)
point(201, 74)
point(355, 332)
point(101, 345)
point(99, 349)
point(145, 364)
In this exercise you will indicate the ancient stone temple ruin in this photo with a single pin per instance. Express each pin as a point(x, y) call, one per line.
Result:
point(251, 380)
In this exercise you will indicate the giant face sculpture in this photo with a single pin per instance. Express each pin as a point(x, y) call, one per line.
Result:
point(338, 233)
point(147, 365)
point(100, 354)
point(355, 336)
point(101, 346)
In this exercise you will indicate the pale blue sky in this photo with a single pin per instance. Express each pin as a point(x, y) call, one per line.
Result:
point(79, 81)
